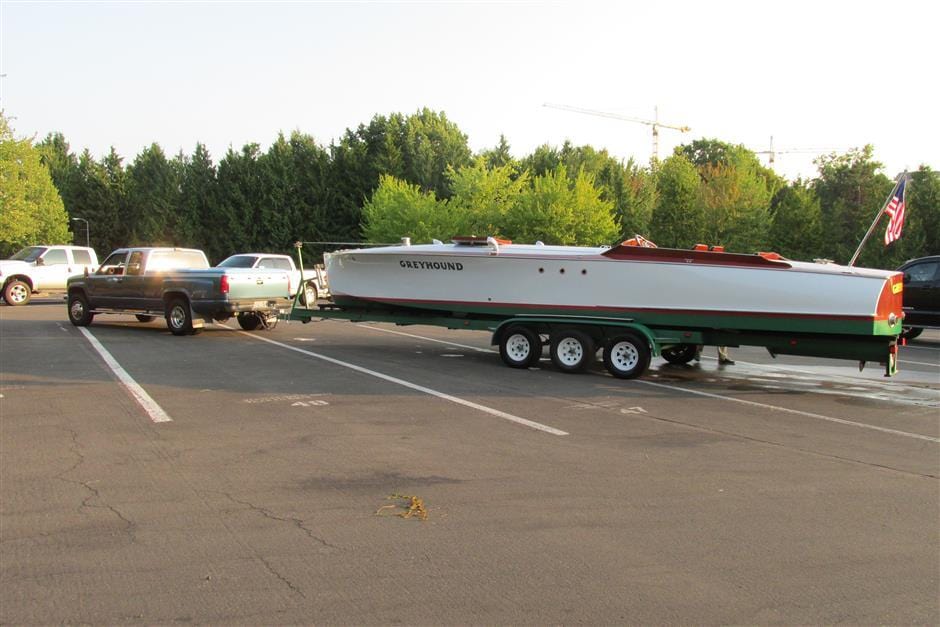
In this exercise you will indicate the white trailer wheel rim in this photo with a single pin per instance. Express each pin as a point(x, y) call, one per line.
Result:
point(518, 347)
point(624, 356)
point(570, 351)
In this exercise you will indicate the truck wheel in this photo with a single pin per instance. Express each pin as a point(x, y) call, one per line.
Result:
point(79, 312)
point(626, 356)
point(679, 354)
point(520, 347)
point(179, 318)
point(144, 318)
point(572, 351)
point(248, 321)
point(17, 293)
point(309, 297)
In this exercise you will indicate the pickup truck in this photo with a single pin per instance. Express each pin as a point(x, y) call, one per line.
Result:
point(41, 269)
point(178, 284)
point(313, 281)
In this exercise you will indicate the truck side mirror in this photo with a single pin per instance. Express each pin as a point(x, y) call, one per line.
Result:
point(40, 262)
point(907, 278)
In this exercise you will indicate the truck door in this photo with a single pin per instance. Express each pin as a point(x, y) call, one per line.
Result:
point(131, 290)
point(53, 269)
point(104, 286)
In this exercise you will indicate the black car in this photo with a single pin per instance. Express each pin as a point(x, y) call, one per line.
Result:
point(921, 295)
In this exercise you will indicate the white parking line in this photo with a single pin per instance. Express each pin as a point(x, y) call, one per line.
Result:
point(413, 386)
point(150, 406)
point(841, 421)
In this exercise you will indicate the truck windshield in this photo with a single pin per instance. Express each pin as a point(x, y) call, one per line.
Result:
point(238, 261)
point(29, 254)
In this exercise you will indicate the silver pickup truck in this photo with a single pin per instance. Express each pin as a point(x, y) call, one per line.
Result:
point(178, 284)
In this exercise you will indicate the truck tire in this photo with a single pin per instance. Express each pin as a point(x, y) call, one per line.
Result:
point(308, 298)
point(572, 351)
point(17, 293)
point(909, 333)
point(179, 317)
point(520, 347)
point(79, 312)
point(626, 356)
point(679, 354)
point(248, 321)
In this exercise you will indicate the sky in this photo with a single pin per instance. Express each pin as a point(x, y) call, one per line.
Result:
point(819, 76)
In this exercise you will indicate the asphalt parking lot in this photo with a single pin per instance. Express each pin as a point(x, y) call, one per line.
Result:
point(249, 478)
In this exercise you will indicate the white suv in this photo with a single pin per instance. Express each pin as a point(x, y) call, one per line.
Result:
point(43, 268)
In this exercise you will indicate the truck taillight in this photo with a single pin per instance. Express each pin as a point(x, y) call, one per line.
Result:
point(223, 284)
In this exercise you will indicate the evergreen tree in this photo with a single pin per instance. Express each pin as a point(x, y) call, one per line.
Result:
point(152, 199)
point(678, 218)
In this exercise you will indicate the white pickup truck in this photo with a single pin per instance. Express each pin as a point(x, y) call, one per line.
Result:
point(314, 282)
point(41, 269)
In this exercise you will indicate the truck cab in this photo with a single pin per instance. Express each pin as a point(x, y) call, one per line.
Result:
point(42, 269)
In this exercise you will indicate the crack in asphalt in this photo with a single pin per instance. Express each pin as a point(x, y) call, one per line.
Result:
point(74, 448)
point(298, 522)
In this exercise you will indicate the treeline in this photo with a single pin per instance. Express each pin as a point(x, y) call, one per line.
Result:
point(415, 175)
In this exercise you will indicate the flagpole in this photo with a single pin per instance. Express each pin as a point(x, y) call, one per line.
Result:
point(880, 213)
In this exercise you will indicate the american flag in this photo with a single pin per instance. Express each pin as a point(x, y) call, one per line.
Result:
point(895, 210)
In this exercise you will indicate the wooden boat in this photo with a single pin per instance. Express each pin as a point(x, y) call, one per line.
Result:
point(658, 287)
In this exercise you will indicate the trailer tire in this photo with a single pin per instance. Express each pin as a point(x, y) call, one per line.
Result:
point(248, 321)
point(679, 354)
point(909, 333)
point(80, 313)
point(520, 347)
point(572, 351)
point(626, 356)
point(179, 317)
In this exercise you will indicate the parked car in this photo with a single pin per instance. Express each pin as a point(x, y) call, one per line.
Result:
point(312, 288)
point(178, 284)
point(41, 269)
point(921, 295)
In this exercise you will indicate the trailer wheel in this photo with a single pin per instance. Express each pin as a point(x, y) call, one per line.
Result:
point(520, 347)
point(626, 356)
point(248, 321)
point(679, 354)
point(572, 351)
point(80, 313)
point(909, 333)
point(179, 317)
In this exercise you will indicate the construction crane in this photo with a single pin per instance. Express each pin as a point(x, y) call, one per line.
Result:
point(771, 153)
point(654, 123)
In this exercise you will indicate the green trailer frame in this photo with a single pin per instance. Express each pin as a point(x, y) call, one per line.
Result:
point(677, 345)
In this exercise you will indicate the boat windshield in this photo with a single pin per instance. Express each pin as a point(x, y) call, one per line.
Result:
point(30, 253)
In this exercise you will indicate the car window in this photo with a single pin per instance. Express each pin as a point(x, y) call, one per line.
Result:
point(238, 261)
point(55, 256)
point(176, 260)
point(29, 254)
point(114, 264)
point(923, 272)
point(82, 257)
point(275, 263)
point(134, 263)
